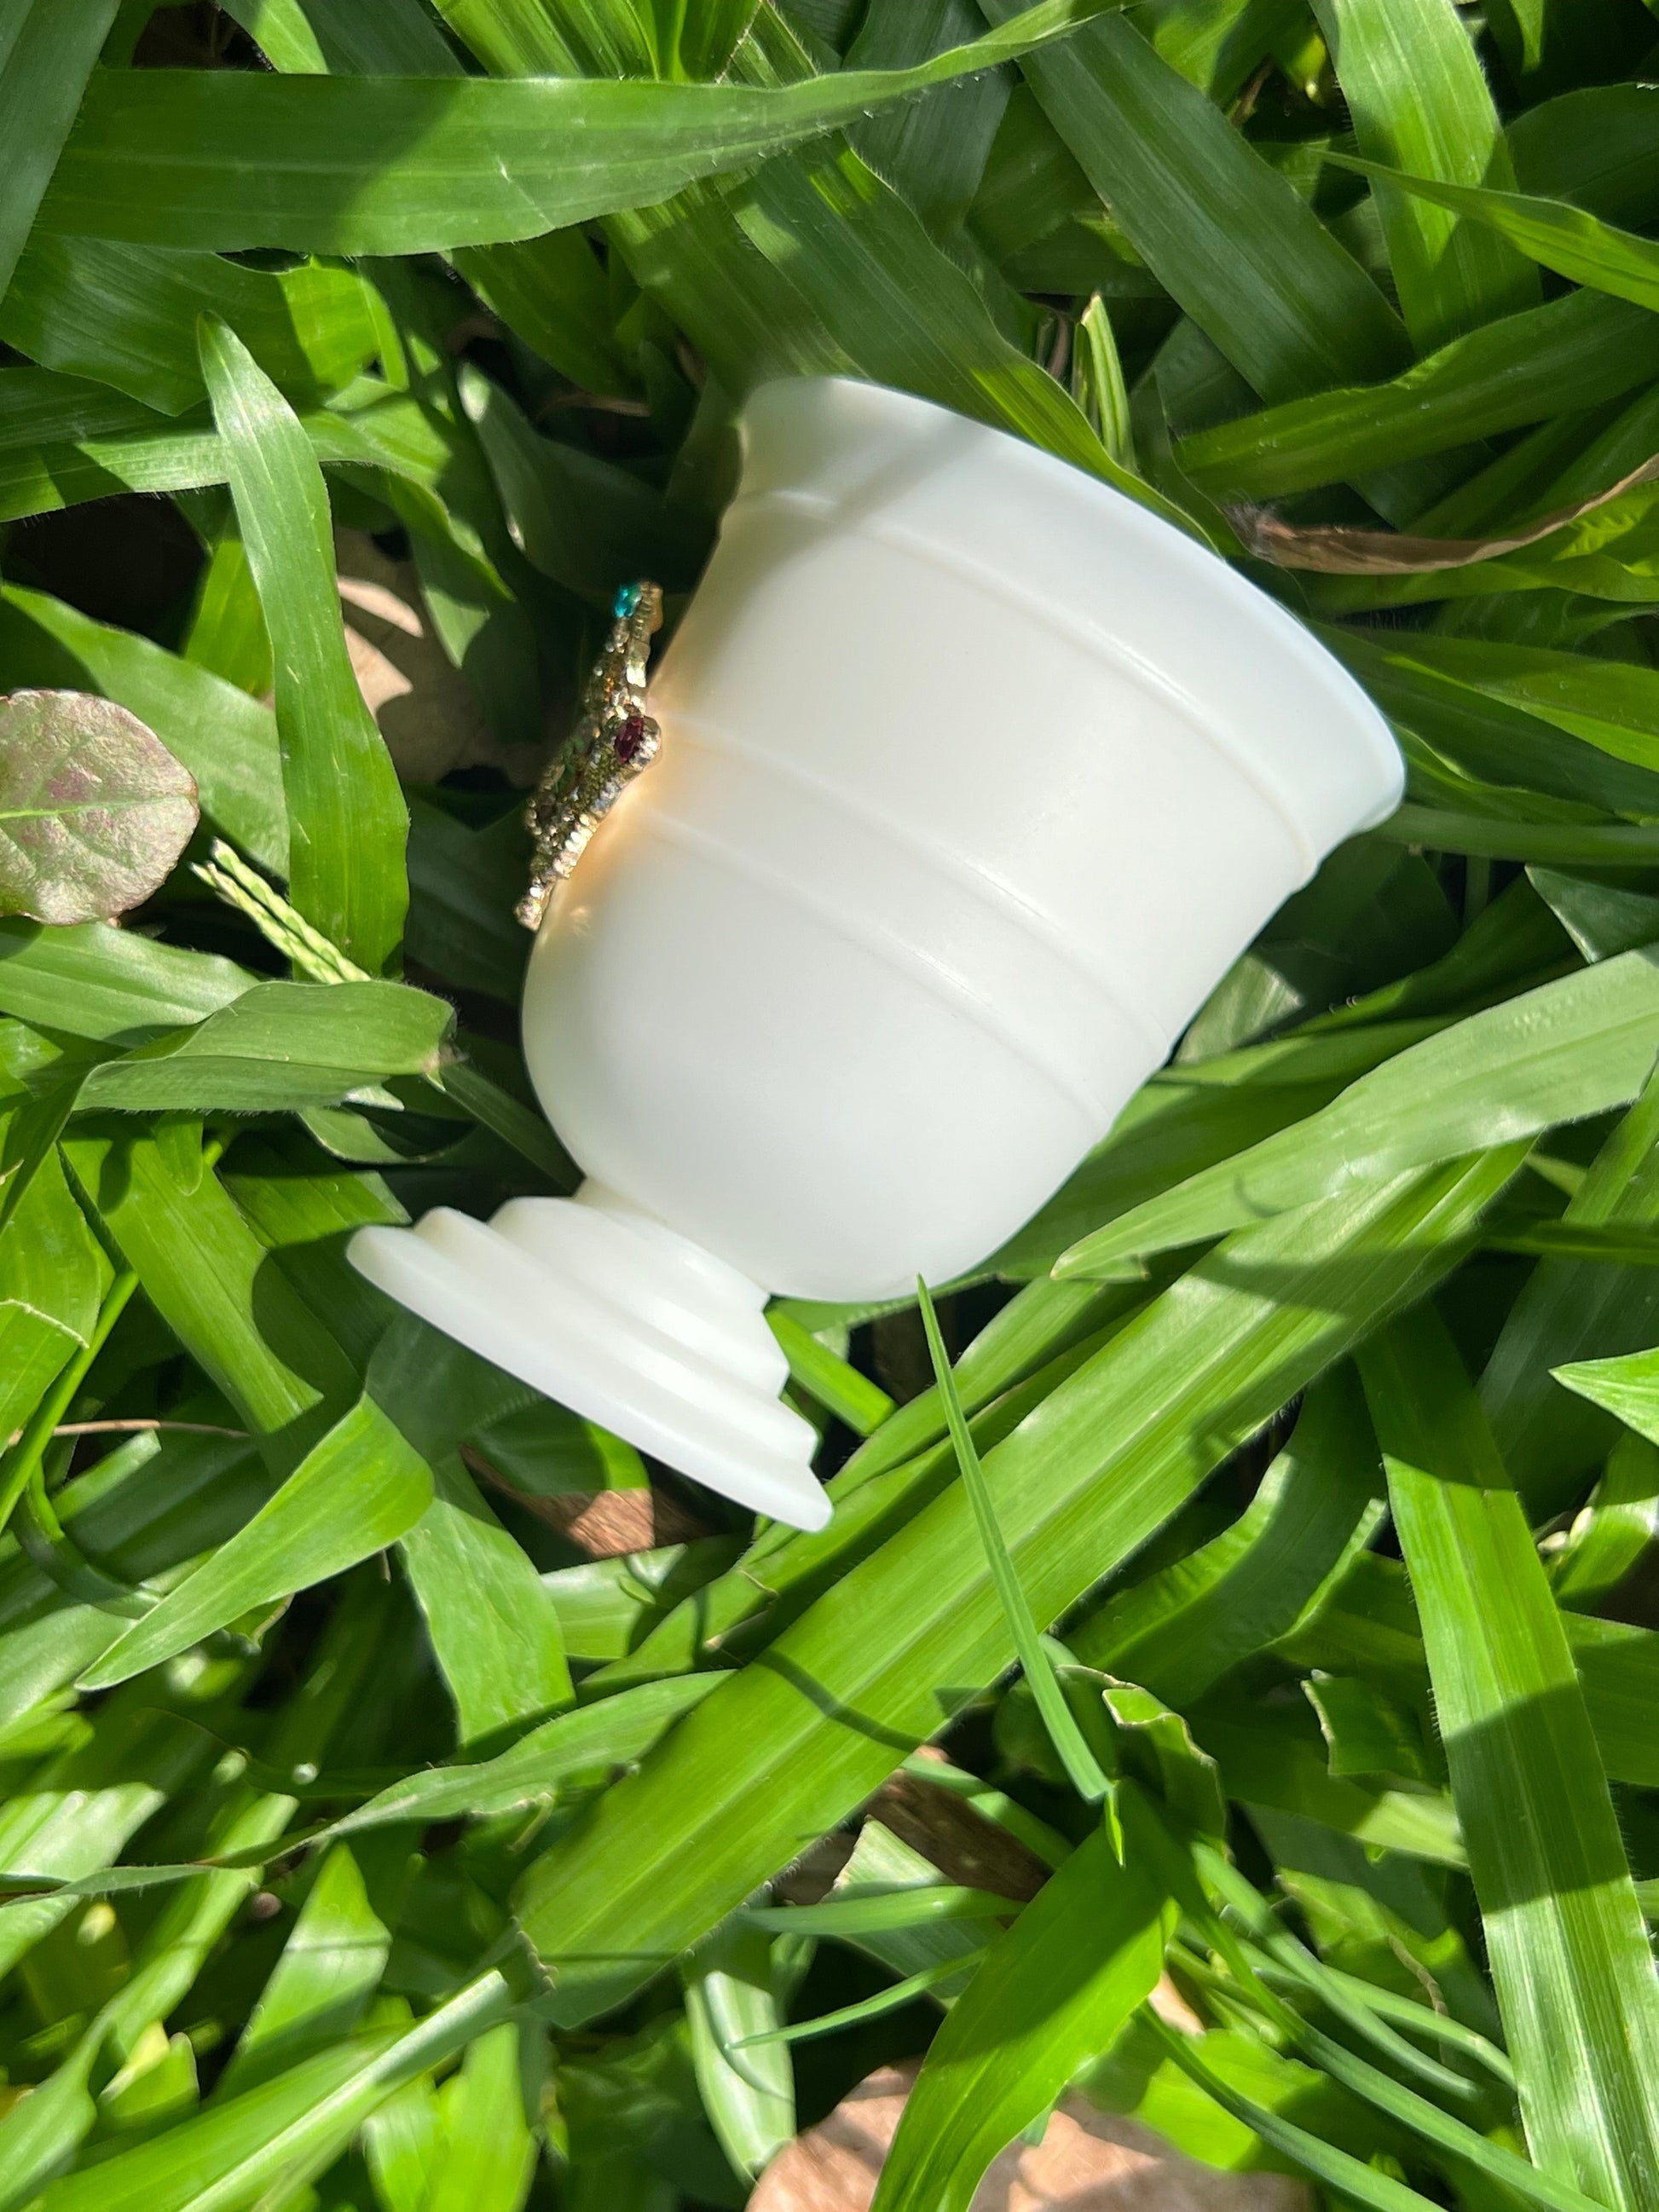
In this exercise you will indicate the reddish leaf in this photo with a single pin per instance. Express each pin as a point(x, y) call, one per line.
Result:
point(94, 811)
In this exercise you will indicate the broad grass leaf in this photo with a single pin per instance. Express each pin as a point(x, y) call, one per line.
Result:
point(581, 519)
point(1106, 1458)
point(94, 811)
point(148, 1512)
point(1569, 1953)
point(904, 313)
point(1279, 1758)
point(1472, 703)
point(782, 1572)
point(495, 1629)
point(40, 2132)
point(110, 985)
point(1626, 1386)
point(1052, 1993)
point(1180, 1629)
point(1571, 1310)
point(125, 315)
point(362, 1486)
point(47, 56)
point(604, 1605)
point(79, 1809)
point(347, 824)
point(837, 1386)
point(280, 1046)
point(1421, 102)
point(1561, 1053)
point(226, 740)
point(214, 1283)
point(52, 1265)
point(329, 1969)
point(223, 160)
point(1191, 1114)
point(139, 455)
point(1519, 836)
point(40, 406)
point(1224, 233)
point(571, 38)
point(1566, 239)
point(283, 32)
point(1613, 705)
point(932, 151)
point(946, 1950)
point(397, 38)
point(486, 2156)
point(749, 2094)
point(1601, 918)
point(1612, 1531)
point(567, 1753)
point(1596, 147)
point(689, 41)
point(1368, 1625)
point(400, 2142)
point(874, 1912)
point(1568, 355)
point(278, 2135)
point(1357, 2181)
point(552, 292)
point(1618, 1665)
point(226, 638)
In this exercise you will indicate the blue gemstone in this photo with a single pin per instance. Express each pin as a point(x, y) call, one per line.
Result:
point(625, 602)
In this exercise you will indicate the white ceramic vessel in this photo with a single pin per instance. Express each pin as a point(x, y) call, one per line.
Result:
point(975, 778)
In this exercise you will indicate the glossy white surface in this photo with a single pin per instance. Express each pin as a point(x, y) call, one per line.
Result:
point(976, 779)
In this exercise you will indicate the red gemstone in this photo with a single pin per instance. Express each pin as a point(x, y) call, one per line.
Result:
point(629, 737)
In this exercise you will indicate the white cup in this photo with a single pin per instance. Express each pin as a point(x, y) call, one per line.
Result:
point(975, 778)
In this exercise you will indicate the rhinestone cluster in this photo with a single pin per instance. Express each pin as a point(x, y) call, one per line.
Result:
point(613, 740)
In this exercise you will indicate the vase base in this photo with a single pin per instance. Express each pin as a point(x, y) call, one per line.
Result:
point(605, 1309)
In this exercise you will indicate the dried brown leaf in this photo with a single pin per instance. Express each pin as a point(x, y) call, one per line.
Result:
point(1339, 550)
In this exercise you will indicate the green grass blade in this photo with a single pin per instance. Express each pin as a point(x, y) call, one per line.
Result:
point(892, 1999)
point(1082, 1767)
point(495, 1632)
point(1569, 1952)
point(1567, 355)
point(1561, 1053)
point(1055, 1991)
point(347, 822)
point(851, 1397)
point(223, 160)
point(46, 55)
point(1354, 2180)
point(1571, 1309)
point(349, 1496)
point(1420, 103)
point(1553, 233)
point(1224, 233)
point(1180, 1629)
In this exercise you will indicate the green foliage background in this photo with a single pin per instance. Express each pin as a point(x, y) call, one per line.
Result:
point(372, 1834)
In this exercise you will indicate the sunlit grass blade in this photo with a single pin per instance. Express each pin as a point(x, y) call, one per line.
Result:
point(892, 1999)
point(1084, 1770)
point(1054, 1991)
point(348, 825)
point(1351, 2177)
point(1569, 1952)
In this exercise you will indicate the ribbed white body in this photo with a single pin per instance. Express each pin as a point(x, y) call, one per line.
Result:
point(975, 778)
